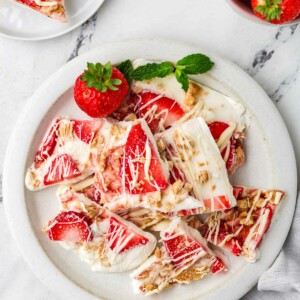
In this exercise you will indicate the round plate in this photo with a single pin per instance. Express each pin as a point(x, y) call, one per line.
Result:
point(22, 23)
point(270, 164)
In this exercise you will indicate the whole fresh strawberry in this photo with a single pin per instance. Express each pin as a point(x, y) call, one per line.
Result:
point(100, 90)
point(276, 11)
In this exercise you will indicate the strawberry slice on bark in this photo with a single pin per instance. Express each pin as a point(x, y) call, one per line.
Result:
point(159, 112)
point(143, 171)
point(86, 130)
point(70, 227)
point(121, 238)
point(182, 248)
point(61, 168)
point(48, 146)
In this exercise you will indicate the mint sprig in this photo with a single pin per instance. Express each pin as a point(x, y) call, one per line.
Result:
point(98, 76)
point(189, 65)
point(126, 68)
point(152, 70)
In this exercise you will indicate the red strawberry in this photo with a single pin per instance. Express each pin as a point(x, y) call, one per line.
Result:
point(217, 265)
point(237, 191)
point(48, 145)
point(276, 11)
point(92, 193)
point(118, 233)
point(86, 130)
point(217, 128)
point(158, 110)
point(231, 160)
point(62, 167)
point(182, 249)
point(217, 203)
point(142, 176)
point(100, 90)
point(71, 227)
point(176, 174)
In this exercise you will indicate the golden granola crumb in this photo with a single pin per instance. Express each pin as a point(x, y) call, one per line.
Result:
point(130, 117)
point(161, 145)
point(157, 253)
point(177, 187)
point(203, 176)
point(192, 93)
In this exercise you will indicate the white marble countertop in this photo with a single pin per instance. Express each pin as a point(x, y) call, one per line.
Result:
point(270, 54)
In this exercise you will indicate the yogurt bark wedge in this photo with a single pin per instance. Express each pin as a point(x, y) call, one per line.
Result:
point(54, 9)
point(69, 150)
point(183, 258)
point(196, 160)
point(162, 102)
point(104, 240)
point(241, 229)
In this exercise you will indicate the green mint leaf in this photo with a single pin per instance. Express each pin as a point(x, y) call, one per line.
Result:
point(183, 79)
point(195, 64)
point(126, 68)
point(153, 70)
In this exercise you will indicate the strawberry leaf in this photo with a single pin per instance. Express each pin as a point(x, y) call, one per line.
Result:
point(98, 76)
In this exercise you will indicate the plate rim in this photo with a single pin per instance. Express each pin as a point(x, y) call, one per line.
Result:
point(11, 206)
point(52, 36)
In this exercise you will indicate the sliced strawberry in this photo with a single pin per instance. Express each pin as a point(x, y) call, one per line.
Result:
point(232, 245)
point(127, 107)
point(217, 265)
point(92, 193)
point(232, 154)
point(121, 238)
point(86, 130)
point(48, 146)
point(157, 110)
point(217, 128)
point(142, 176)
point(217, 203)
point(62, 167)
point(176, 174)
point(266, 215)
point(182, 249)
point(70, 227)
point(237, 191)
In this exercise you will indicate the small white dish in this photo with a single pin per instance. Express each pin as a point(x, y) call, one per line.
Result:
point(243, 8)
point(22, 23)
point(270, 164)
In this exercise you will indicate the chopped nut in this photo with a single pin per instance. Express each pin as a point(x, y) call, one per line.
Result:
point(145, 274)
point(242, 204)
point(188, 187)
point(170, 164)
point(36, 183)
point(66, 129)
point(137, 89)
point(157, 253)
point(130, 117)
point(177, 187)
point(161, 145)
point(261, 202)
point(246, 222)
point(243, 214)
point(193, 91)
point(150, 287)
point(203, 176)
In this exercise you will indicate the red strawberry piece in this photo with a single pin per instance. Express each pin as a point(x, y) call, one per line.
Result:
point(230, 162)
point(127, 107)
point(176, 174)
point(142, 176)
point(118, 233)
point(217, 128)
point(70, 227)
point(48, 146)
point(217, 265)
point(157, 109)
point(217, 203)
point(30, 3)
point(92, 193)
point(182, 249)
point(62, 167)
point(276, 11)
point(86, 130)
point(100, 90)
point(237, 191)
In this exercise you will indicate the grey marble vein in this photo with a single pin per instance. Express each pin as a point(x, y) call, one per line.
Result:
point(285, 85)
point(85, 36)
point(264, 55)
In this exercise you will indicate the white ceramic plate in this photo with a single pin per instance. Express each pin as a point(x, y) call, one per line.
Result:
point(22, 23)
point(270, 164)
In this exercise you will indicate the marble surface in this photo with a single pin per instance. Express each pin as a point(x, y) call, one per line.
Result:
point(270, 54)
